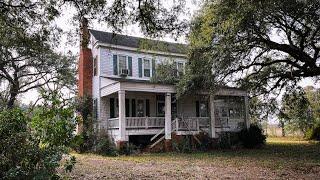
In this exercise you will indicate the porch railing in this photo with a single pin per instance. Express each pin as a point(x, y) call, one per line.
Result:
point(138, 122)
point(185, 123)
point(145, 122)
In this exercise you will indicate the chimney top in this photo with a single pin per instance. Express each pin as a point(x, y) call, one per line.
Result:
point(84, 33)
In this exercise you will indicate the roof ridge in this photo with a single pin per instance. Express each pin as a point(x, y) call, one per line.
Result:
point(144, 38)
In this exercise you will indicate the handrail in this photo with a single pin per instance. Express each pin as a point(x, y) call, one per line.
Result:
point(162, 131)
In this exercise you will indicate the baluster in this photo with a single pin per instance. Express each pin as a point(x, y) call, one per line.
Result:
point(146, 122)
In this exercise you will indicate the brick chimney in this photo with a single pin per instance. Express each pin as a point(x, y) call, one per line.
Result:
point(85, 61)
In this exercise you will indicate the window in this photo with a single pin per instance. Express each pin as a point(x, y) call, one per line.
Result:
point(180, 68)
point(95, 68)
point(122, 63)
point(146, 68)
point(140, 108)
point(160, 108)
point(203, 109)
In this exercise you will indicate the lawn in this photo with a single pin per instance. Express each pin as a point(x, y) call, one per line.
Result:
point(281, 158)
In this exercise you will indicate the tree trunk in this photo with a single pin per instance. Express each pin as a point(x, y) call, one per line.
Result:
point(13, 95)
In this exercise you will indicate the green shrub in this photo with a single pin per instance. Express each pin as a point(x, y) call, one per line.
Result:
point(252, 137)
point(313, 133)
point(24, 153)
point(128, 149)
point(77, 143)
point(104, 146)
point(183, 145)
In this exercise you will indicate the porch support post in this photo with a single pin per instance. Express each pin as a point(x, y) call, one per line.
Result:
point(246, 104)
point(212, 118)
point(167, 129)
point(122, 115)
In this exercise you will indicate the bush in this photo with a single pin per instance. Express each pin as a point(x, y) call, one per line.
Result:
point(183, 145)
point(228, 140)
point(104, 146)
point(24, 154)
point(313, 133)
point(252, 137)
point(128, 149)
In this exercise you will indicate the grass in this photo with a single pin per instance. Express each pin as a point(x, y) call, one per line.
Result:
point(281, 158)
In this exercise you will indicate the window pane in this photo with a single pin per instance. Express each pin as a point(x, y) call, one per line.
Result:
point(140, 108)
point(203, 109)
point(147, 67)
point(147, 73)
point(122, 63)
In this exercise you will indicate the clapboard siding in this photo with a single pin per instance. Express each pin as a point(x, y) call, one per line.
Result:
point(106, 61)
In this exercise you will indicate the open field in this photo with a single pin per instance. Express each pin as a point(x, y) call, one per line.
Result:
point(281, 158)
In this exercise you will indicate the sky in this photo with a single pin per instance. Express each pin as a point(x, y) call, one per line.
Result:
point(65, 22)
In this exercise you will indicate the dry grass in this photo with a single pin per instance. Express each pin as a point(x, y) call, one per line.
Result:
point(281, 158)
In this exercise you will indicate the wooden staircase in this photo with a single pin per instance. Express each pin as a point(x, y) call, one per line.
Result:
point(155, 140)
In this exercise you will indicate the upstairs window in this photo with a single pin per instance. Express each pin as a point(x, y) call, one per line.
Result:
point(122, 63)
point(180, 68)
point(146, 68)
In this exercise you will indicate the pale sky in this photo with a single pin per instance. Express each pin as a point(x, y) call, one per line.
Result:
point(65, 23)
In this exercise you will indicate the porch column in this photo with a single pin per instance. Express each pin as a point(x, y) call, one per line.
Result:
point(167, 128)
point(122, 115)
point(246, 104)
point(212, 118)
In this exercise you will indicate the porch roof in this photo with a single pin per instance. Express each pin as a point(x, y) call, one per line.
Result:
point(148, 86)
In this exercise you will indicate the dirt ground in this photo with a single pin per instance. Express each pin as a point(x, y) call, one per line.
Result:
point(279, 159)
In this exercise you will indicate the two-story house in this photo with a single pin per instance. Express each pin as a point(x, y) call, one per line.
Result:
point(116, 70)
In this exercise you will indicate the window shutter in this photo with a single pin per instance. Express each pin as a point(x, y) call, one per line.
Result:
point(140, 66)
point(147, 107)
point(111, 107)
point(115, 64)
point(127, 108)
point(153, 67)
point(197, 109)
point(133, 108)
point(130, 65)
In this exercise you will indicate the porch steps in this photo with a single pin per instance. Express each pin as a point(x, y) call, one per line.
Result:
point(157, 142)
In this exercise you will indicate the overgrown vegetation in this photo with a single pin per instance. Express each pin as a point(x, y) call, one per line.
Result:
point(166, 73)
point(300, 111)
point(252, 137)
point(32, 145)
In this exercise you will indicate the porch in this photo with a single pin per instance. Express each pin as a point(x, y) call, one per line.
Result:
point(130, 109)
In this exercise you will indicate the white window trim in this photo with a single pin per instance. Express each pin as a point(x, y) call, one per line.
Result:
point(184, 66)
point(127, 63)
point(150, 61)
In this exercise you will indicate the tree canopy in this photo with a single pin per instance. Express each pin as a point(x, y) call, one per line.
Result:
point(260, 45)
point(29, 37)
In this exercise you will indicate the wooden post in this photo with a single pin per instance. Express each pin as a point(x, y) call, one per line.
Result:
point(246, 104)
point(146, 122)
point(168, 116)
point(122, 115)
point(212, 118)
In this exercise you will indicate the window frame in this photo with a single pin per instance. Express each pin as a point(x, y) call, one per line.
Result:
point(127, 63)
point(150, 63)
point(183, 67)
point(95, 66)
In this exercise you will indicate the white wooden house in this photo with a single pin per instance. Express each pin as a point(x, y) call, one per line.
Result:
point(127, 104)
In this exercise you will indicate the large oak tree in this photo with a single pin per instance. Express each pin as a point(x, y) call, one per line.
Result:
point(258, 44)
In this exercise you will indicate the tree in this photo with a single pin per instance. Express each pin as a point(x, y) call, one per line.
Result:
point(261, 45)
point(28, 57)
point(296, 113)
point(32, 145)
